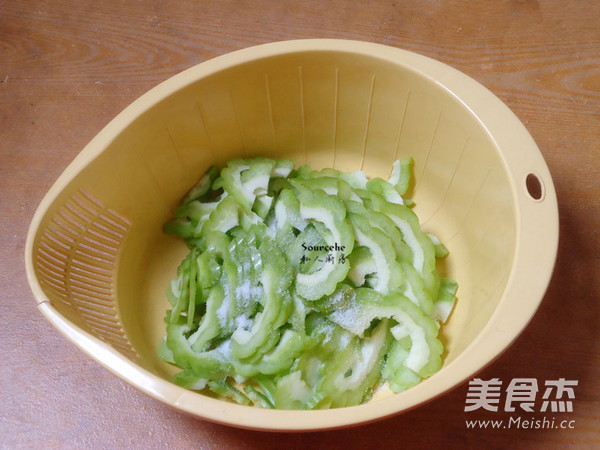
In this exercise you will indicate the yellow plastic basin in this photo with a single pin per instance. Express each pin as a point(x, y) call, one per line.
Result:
point(98, 262)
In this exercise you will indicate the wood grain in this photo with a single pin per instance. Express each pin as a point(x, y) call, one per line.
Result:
point(67, 67)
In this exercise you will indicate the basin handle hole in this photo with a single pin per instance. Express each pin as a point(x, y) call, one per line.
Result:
point(535, 187)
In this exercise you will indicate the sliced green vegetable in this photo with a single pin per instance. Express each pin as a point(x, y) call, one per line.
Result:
point(209, 326)
point(440, 249)
point(318, 207)
point(203, 188)
point(224, 389)
point(190, 381)
point(210, 364)
point(385, 189)
point(387, 276)
point(357, 368)
point(303, 289)
point(443, 305)
point(400, 177)
point(257, 397)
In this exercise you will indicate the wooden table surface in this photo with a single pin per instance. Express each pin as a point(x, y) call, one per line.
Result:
point(67, 67)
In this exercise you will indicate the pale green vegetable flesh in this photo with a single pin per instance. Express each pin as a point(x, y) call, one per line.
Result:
point(303, 289)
